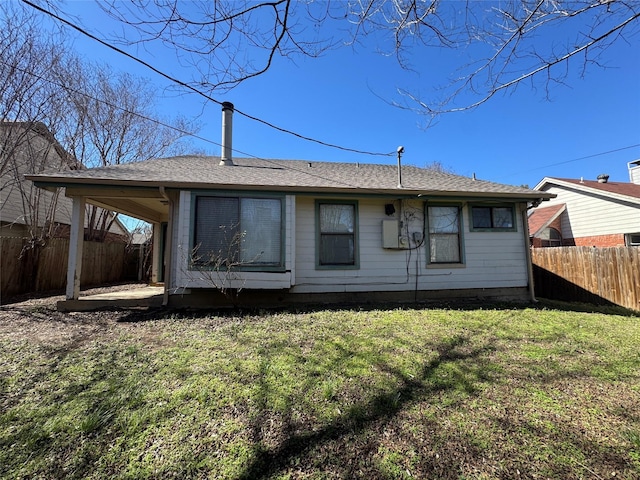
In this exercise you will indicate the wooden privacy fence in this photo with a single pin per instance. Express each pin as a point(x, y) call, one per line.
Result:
point(45, 267)
point(587, 274)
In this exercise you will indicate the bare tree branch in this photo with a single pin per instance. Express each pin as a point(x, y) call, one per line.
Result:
point(507, 43)
point(523, 42)
point(224, 42)
point(58, 112)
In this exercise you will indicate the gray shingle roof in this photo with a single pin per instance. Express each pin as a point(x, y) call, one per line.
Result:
point(284, 175)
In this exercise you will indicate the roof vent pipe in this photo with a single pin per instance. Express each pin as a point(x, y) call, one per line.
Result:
point(227, 130)
point(400, 151)
point(603, 178)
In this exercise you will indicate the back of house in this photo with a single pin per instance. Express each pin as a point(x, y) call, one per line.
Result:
point(271, 232)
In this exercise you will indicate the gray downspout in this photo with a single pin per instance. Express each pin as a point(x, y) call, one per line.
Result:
point(527, 249)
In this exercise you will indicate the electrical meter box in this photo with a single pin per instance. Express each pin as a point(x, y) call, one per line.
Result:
point(390, 232)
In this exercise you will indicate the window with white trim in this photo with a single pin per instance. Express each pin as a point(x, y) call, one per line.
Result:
point(632, 239)
point(444, 234)
point(237, 231)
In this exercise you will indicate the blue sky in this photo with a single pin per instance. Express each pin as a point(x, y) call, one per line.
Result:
point(517, 138)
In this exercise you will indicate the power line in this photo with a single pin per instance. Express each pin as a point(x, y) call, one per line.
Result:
point(573, 160)
point(198, 92)
point(158, 122)
point(190, 134)
point(109, 104)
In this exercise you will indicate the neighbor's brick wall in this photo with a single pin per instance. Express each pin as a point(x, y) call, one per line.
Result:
point(612, 240)
point(557, 224)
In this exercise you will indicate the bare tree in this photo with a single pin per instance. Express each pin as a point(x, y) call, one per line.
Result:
point(220, 267)
point(116, 119)
point(59, 112)
point(114, 122)
point(436, 166)
point(508, 43)
point(30, 110)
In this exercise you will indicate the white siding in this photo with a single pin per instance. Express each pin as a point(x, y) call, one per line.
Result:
point(589, 215)
point(492, 259)
point(634, 174)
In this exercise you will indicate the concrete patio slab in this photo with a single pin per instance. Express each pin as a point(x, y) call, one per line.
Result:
point(150, 296)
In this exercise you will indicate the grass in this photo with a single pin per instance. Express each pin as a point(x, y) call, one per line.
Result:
point(407, 393)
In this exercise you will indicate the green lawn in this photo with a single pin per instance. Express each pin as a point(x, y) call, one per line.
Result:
point(415, 393)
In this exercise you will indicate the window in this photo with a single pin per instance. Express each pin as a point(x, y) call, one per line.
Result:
point(492, 218)
point(444, 234)
point(551, 238)
point(632, 239)
point(336, 234)
point(238, 231)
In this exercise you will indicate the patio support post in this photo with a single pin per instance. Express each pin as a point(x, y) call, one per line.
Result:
point(167, 253)
point(76, 243)
point(168, 246)
point(156, 258)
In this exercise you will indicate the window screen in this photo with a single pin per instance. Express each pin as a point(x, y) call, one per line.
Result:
point(238, 230)
point(217, 230)
point(444, 234)
point(337, 224)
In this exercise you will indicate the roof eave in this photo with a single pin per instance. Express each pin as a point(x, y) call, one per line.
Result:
point(51, 181)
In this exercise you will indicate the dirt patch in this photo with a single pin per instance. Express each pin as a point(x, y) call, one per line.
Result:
point(36, 318)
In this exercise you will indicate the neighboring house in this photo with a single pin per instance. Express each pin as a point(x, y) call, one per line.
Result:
point(306, 231)
point(595, 213)
point(25, 211)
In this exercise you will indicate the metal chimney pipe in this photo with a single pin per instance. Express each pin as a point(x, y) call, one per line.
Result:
point(226, 157)
point(400, 151)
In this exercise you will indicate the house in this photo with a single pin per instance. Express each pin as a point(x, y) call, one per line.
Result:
point(286, 231)
point(595, 213)
point(27, 211)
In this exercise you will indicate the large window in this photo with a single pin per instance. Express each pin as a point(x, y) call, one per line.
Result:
point(237, 231)
point(492, 218)
point(337, 234)
point(444, 234)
